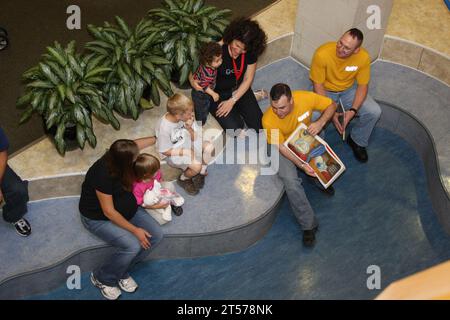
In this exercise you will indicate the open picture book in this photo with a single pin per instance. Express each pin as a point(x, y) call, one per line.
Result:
point(315, 152)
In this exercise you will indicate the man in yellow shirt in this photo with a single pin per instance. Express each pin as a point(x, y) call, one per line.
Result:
point(341, 71)
point(280, 121)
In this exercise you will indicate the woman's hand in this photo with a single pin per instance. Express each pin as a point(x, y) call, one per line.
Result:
point(143, 237)
point(225, 108)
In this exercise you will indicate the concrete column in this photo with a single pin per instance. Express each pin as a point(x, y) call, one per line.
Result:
point(326, 20)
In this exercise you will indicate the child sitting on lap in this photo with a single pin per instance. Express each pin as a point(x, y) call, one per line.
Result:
point(180, 143)
point(206, 74)
point(149, 192)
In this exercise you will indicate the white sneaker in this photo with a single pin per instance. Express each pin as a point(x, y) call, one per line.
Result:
point(128, 284)
point(110, 293)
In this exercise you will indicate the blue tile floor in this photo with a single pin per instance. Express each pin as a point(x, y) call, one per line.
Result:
point(380, 215)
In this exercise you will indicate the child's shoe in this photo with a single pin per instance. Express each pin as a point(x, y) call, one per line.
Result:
point(178, 211)
point(199, 181)
point(188, 186)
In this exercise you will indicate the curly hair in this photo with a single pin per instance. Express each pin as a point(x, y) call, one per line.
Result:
point(208, 51)
point(249, 33)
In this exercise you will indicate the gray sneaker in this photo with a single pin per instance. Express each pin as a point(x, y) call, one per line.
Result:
point(128, 284)
point(110, 293)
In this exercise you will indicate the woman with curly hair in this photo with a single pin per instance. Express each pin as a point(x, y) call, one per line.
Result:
point(243, 42)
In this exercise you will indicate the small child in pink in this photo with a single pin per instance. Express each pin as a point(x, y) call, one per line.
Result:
point(149, 192)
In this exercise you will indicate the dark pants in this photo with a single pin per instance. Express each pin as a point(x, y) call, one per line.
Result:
point(15, 194)
point(245, 111)
point(202, 102)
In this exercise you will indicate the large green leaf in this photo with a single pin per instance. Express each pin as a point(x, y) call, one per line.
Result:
point(81, 137)
point(59, 57)
point(51, 119)
point(26, 114)
point(184, 73)
point(154, 94)
point(91, 137)
point(97, 71)
point(171, 4)
point(24, 99)
point(123, 26)
point(180, 53)
point(75, 65)
point(158, 60)
point(40, 84)
point(197, 5)
point(78, 115)
point(45, 69)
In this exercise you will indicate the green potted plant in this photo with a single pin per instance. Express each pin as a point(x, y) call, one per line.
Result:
point(63, 89)
point(184, 26)
point(136, 61)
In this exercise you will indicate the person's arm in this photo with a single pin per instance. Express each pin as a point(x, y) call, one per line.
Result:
point(225, 106)
point(213, 94)
point(194, 83)
point(360, 96)
point(107, 205)
point(319, 88)
point(317, 126)
point(285, 152)
point(3, 162)
point(143, 143)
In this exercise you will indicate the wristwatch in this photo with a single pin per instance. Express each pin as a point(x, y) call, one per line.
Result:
point(354, 110)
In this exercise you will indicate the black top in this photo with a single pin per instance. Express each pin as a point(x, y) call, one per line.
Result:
point(226, 81)
point(98, 178)
point(4, 144)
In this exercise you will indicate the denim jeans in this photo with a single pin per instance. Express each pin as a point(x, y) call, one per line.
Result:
point(202, 101)
point(128, 249)
point(15, 193)
point(367, 117)
point(288, 173)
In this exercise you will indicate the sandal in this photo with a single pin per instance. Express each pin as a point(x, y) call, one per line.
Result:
point(260, 94)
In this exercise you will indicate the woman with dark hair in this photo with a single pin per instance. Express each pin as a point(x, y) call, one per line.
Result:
point(243, 42)
point(109, 210)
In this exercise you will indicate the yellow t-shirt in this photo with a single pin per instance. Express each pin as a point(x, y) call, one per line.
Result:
point(304, 101)
point(338, 74)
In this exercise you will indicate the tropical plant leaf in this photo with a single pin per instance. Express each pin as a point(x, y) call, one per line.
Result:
point(91, 137)
point(123, 26)
point(26, 115)
point(154, 94)
point(60, 58)
point(81, 137)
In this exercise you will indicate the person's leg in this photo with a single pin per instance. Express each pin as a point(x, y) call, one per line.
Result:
point(367, 117)
point(250, 111)
point(143, 220)
point(232, 121)
point(127, 248)
point(296, 194)
point(15, 193)
point(201, 105)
